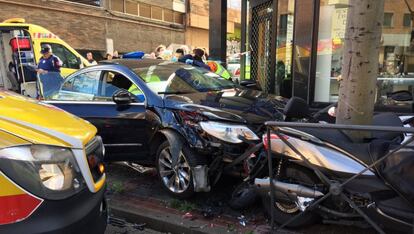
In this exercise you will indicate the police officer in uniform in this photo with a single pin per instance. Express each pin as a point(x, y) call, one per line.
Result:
point(48, 62)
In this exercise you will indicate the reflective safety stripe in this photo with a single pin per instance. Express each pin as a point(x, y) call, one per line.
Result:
point(15, 203)
point(221, 71)
point(17, 208)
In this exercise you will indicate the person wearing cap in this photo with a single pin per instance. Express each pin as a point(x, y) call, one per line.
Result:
point(48, 62)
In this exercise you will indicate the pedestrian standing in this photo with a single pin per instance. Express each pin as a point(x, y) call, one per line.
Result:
point(48, 62)
point(108, 56)
point(159, 51)
point(89, 57)
point(115, 55)
point(195, 59)
point(179, 53)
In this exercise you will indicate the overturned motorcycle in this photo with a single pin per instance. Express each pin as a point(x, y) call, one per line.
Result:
point(317, 172)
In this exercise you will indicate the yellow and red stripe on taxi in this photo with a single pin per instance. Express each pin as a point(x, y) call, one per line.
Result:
point(15, 203)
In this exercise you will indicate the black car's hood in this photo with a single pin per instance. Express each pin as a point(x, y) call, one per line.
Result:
point(233, 105)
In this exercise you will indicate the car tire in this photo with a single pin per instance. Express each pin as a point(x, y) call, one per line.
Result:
point(183, 187)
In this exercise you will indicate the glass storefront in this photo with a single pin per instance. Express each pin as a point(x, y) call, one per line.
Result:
point(308, 56)
point(395, 62)
point(284, 47)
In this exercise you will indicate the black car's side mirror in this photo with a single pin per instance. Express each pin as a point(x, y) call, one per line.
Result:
point(123, 97)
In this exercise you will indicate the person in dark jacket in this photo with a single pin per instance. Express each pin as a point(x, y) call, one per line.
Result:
point(195, 59)
point(48, 62)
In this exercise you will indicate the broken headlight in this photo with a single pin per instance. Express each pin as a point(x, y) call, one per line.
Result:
point(228, 132)
point(46, 171)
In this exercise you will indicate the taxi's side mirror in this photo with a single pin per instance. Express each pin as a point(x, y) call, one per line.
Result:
point(123, 97)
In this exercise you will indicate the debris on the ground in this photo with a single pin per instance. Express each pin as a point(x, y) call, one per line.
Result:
point(208, 213)
point(141, 169)
point(242, 220)
point(117, 222)
point(139, 226)
point(189, 216)
point(121, 223)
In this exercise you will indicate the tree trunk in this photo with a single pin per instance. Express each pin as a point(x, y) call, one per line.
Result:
point(360, 64)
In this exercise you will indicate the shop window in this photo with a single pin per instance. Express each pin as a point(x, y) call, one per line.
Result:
point(284, 48)
point(156, 13)
point(388, 19)
point(395, 62)
point(178, 18)
point(131, 8)
point(407, 20)
point(145, 10)
point(169, 16)
point(117, 5)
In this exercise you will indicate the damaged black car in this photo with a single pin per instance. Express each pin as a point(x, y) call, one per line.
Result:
point(186, 121)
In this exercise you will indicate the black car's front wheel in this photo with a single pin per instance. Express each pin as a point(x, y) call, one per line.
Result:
point(176, 180)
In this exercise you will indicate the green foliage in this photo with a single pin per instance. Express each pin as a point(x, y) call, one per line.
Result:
point(183, 206)
point(117, 187)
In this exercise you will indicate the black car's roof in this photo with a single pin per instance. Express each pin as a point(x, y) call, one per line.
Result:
point(139, 63)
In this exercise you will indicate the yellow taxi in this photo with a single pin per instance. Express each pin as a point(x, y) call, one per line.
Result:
point(52, 175)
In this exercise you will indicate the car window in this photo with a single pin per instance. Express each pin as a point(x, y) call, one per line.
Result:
point(69, 60)
point(176, 77)
point(88, 86)
point(81, 87)
point(113, 81)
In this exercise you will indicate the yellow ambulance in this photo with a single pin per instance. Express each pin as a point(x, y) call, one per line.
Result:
point(52, 177)
point(20, 46)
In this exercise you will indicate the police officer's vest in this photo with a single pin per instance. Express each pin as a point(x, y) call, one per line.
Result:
point(219, 69)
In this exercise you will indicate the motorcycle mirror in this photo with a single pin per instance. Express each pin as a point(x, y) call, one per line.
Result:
point(401, 96)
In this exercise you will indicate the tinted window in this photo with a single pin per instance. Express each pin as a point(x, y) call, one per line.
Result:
point(69, 59)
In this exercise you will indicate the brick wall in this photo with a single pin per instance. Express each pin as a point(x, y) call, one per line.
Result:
point(86, 28)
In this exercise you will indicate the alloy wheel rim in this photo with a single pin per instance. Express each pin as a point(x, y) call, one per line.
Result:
point(176, 179)
point(287, 208)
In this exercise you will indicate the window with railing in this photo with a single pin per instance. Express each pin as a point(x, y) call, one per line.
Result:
point(135, 8)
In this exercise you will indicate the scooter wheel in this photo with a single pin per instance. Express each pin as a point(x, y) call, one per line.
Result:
point(284, 211)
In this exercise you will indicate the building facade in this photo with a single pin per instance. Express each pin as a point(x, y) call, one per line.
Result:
point(296, 48)
point(105, 25)
point(197, 31)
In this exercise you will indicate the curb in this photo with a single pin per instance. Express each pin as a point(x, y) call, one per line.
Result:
point(161, 221)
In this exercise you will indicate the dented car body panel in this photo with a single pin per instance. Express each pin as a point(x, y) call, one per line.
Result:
point(172, 101)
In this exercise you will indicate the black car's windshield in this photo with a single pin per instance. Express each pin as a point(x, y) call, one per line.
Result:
point(176, 78)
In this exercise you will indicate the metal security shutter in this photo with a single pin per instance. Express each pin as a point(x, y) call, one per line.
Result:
point(261, 39)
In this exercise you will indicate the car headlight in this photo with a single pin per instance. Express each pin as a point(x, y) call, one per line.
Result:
point(46, 171)
point(228, 132)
